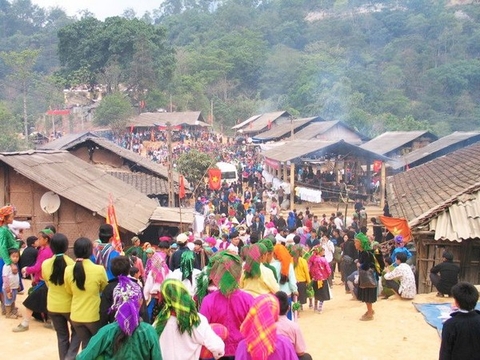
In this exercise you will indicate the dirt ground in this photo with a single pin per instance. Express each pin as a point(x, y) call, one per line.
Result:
point(397, 332)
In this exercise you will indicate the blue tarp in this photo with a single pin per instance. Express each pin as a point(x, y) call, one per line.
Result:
point(436, 314)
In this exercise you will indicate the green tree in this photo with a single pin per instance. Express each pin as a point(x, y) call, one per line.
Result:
point(22, 64)
point(194, 165)
point(114, 111)
point(140, 50)
point(8, 133)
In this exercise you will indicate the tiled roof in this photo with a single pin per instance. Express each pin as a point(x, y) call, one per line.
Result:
point(146, 184)
point(428, 189)
point(442, 146)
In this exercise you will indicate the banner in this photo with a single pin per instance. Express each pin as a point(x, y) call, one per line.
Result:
point(112, 220)
point(214, 179)
point(181, 190)
point(397, 226)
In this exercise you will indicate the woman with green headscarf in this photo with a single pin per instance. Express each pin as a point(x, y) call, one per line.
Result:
point(186, 273)
point(257, 279)
point(182, 330)
point(367, 260)
point(228, 305)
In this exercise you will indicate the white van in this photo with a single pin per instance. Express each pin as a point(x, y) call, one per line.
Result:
point(229, 172)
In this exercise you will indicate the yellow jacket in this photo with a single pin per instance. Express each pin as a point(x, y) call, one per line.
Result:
point(58, 300)
point(86, 303)
point(301, 271)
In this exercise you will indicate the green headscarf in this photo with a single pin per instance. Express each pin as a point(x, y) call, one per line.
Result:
point(186, 264)
point(364, 241)
point(177, 300)
point(252, 261)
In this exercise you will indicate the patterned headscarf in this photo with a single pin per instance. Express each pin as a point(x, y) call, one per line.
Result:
point(282, 254)
point(158, 267)
point(251, 268)
point(176, 300)
point(260, 326)
point(186, 264)
point(5, 211)
point(296, 251)
point(364, 241)
point(127, 298)
point(225, 271)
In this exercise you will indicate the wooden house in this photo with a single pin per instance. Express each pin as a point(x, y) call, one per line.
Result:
point(441, 201)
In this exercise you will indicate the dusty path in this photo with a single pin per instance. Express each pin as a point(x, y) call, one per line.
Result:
point(398, 332)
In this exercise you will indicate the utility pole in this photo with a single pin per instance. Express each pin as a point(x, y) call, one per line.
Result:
point(292, 132)
point(171, 192)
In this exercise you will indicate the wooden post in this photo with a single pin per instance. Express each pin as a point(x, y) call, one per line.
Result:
point(292, 186)
point(284, 172)
point(383, 184)
point(171, 192)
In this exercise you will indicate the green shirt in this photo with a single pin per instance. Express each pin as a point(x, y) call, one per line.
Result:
point(7, 241)
point(143, 344)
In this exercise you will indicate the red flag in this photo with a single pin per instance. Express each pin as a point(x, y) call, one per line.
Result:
point(214, 179)
point(131, 128)
point(112, 220)
point(397, 226)
point(181, 191)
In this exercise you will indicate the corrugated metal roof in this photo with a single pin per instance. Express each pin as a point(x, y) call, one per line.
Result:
point(129, 155)
point(295, 150)
point(248, 121)
point(166, 214)
point(461, 221)
point(84, 184)
point(393, 140)
point(66, 140)
point(320, 127)
point(427, 190)
point(281, 130)
point(315, 129)
point(260, 122)
point(443, 146)
point(190, 118)
point(146, 184)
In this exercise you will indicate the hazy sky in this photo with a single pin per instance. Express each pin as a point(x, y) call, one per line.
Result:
point(101, 8)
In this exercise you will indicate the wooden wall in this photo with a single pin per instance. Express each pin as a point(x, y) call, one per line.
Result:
point(466, 254)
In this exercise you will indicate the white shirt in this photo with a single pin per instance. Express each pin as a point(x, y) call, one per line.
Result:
point(191, 286)
point(249, 219)
point(177, 346)
point(329, 249)
point(232, 248)
point(404, 273)
point(338, 223)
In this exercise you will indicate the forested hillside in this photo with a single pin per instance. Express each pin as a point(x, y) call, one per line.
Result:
point(378, 66)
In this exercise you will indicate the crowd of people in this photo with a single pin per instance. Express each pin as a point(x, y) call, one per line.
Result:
point(232, 291)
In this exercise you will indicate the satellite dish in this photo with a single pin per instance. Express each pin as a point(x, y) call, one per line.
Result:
point(50, 202)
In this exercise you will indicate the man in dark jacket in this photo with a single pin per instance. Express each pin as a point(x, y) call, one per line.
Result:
point(29, 255)
point(177, 255)
point(444, 275)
